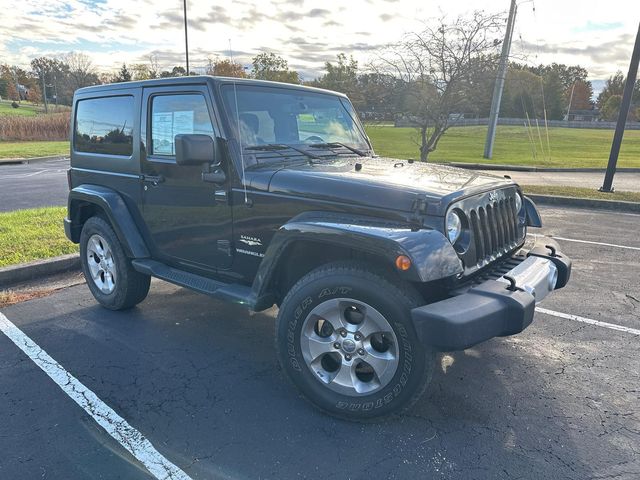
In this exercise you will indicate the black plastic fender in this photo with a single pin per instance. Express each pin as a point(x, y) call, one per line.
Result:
point(432, 255)
point(533, 216)
point(117, 212)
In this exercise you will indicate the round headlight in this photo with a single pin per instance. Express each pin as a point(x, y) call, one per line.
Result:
point(454, 226)
point(518, 202)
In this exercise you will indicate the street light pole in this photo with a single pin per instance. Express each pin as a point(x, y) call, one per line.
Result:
point(499, 86)
point(44, 94)
point(627, 95)
point(186, 38)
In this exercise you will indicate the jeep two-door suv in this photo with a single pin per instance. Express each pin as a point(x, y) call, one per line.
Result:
point(262, 193)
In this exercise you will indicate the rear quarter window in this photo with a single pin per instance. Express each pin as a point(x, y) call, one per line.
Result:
point(105, 125)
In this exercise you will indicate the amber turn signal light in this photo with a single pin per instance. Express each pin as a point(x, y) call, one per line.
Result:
point(403, 263)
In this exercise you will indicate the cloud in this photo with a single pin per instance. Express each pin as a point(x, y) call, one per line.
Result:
point(600, 56)
point(305, 32)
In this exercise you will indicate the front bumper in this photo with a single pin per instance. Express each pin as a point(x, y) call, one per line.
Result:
point(496, 307)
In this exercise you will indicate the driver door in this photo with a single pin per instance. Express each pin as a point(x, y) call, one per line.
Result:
point(186, 223)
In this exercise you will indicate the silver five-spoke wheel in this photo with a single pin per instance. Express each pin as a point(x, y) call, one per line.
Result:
point(101, 264)
point(349, 346)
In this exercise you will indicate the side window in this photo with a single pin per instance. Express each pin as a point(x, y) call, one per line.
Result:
point(105, 125)
point(175, 114)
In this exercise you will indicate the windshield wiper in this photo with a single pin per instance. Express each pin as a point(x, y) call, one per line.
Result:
point(278, 146)
point(338, 144)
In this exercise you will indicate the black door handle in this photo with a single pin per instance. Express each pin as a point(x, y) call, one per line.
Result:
point(153, 179)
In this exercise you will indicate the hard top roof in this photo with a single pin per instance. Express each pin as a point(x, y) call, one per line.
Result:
point(197, 79)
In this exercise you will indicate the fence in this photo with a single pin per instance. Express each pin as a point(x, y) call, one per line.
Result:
point(470, 122)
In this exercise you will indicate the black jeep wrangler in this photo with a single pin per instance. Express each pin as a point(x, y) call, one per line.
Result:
point(262, 193)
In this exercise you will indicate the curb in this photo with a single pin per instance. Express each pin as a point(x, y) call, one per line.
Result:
point(523, 168)
point(617, 205)
point(31, 159)
point(39, 268)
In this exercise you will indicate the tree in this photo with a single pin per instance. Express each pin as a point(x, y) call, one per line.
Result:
point(522, 94)
point(225, 68)
point(140, 71)
point(578, 96)
point(381, 95)
point(615, 86)
point(341, 77)
point(554, 95)
point(611, 110)
point(154, 66)
point(176, 71)
point(81, 71)
point(123, 75)
point(438, 67)
point(269, 66)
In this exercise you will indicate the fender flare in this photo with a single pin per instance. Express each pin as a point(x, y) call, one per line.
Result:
point(114, 206)
point(533, 216)
point(432, 255)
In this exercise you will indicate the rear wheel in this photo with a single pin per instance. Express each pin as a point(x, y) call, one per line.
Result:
point(345, 338)
point(112, 280)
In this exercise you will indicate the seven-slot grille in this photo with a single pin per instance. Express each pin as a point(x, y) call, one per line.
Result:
point(494, 227)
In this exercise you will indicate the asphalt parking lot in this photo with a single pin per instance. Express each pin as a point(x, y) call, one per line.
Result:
point(199, 379)
point(46, 182)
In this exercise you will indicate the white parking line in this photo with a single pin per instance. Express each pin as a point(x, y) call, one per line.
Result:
point(594, 243)
point(116, 426)
point(535, 235)
point(597, 323)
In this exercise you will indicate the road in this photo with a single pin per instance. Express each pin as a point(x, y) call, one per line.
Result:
point(37, 184)
point(199, 379)
point(622, 181)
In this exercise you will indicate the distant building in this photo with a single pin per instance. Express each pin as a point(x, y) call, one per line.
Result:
point(23, 92)
point(590, 115)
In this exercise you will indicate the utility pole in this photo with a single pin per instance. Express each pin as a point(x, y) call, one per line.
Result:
point(499, 86)
point(627, 95)
point(186, 38)
point(44, 94)
point(571, 99)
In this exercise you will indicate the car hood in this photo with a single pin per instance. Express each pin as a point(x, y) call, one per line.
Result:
point(382, 182)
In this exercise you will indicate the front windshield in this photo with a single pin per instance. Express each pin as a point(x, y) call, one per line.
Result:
point(272, 116)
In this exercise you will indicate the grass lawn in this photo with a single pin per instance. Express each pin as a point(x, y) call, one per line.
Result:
point(25, 109)
point(33, 234)
point(579, 192)
point(570, 147)
point(33, 149)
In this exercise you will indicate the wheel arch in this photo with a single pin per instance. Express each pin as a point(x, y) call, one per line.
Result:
point(86, 201)
point(316, 238)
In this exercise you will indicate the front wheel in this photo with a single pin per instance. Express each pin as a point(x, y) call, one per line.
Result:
point(345, 339)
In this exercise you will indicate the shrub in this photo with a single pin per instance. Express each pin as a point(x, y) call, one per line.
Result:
point(54, 126)
point(14, 105)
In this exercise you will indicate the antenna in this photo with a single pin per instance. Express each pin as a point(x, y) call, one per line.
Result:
point(244, 183)
point(186, 39)
point(230, 52)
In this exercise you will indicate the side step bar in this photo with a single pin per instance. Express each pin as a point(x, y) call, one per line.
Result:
point(225, 291)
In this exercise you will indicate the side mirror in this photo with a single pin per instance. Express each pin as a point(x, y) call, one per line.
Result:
point(194, 149)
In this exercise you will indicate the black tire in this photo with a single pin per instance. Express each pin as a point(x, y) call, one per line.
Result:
point(130, 287)
point(393, 300)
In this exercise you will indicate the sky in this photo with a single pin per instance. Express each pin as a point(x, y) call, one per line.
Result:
point(597, 35)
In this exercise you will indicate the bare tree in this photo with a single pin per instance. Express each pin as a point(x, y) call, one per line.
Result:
point(154, 66)
point(440, 68)
point(81, 71)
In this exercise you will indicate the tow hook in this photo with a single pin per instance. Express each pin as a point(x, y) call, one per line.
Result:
point(512, 284)
point(552, 249)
